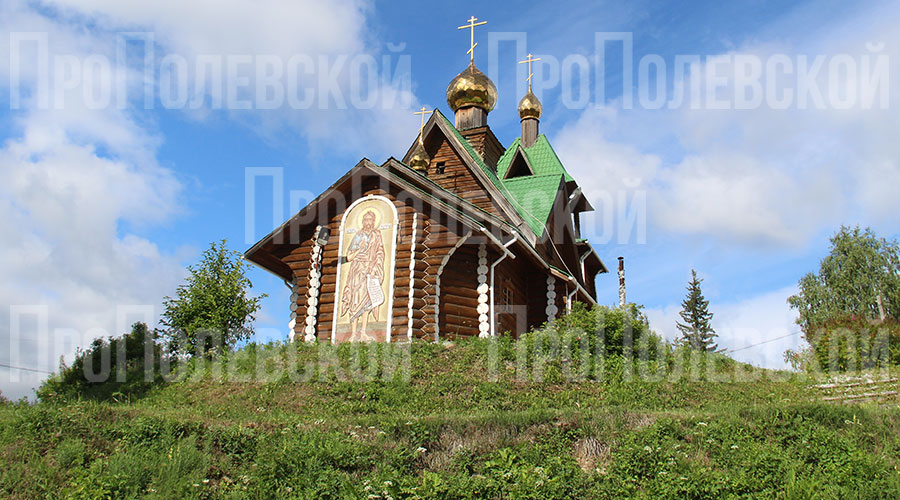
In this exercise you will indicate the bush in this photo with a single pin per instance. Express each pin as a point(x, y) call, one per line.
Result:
point(587, 342)
point(853, 343)
point(110, 368)
point(609, 330)
point(605, 330)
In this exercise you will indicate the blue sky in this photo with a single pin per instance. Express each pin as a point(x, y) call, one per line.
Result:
point(105, 206)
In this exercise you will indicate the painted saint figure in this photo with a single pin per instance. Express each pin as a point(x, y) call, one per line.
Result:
point(362, 293)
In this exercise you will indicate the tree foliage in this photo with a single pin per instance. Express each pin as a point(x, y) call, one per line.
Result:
point(613, 327)
point(126, 365)
point(849, 310)
point(696, 331)
point(213, 308)
point(859, 268)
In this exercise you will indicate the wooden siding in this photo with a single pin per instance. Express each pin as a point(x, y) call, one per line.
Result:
point(512, 279)
point(459, 298)
point(455, 176)
point(486, 144)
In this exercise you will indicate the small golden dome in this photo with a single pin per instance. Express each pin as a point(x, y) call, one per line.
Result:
point(419, 159)
point(471, 88)
point(530, 106)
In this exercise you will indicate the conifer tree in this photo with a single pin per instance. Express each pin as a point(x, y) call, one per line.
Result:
point(696, 331)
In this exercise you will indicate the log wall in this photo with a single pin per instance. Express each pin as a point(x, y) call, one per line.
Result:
point(459, 298)
point(448, 170)
point(436, 236)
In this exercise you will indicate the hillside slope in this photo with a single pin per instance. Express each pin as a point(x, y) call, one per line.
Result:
point(470, 420)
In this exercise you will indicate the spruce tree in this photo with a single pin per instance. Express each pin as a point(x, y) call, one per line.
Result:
point(696, 331)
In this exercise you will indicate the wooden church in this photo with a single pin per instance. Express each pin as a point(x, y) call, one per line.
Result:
point(461, 237)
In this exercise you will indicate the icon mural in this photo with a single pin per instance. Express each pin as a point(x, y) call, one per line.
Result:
point(365, 272)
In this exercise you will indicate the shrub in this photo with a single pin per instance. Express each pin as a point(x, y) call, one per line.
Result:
point(110, 368)
point(602, 330)
point(853, 343)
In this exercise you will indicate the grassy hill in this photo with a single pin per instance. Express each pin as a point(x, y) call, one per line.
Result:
point(474, 419)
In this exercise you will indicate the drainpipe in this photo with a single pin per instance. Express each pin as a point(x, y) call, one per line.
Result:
point(583, 269)
point(569, 299)
point(506, 253)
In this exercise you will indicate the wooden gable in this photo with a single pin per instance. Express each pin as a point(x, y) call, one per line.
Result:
point(457, 168)
point(448, 170)
point(559, 242)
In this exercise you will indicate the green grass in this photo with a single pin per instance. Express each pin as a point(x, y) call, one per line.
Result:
point(452, 428)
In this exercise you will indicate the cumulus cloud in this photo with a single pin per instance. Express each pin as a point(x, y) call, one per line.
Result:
point(758, 176)
point(72, 179)
point(79, 182)
point(327, 73)
point(64, 249)
point(760, 182)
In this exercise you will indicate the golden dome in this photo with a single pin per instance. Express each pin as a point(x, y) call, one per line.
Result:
point(530, 106)
point(419, 159)
point(471, 88)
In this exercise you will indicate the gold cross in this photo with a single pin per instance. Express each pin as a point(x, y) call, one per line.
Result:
point(530, 60)
point(471, 27)
point(422, 112)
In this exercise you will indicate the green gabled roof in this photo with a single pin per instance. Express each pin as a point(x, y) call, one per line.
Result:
point(540, 155)
point(533, 197)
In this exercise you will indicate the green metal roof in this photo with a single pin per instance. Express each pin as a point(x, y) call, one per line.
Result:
point(533, 197)
point(540, 155)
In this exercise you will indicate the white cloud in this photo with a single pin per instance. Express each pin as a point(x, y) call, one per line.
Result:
point(761, 183)
point(79, 182)
point(363, 114)
point(755, 177)
point(62, 207)
point(235, 26)
point(72, 181)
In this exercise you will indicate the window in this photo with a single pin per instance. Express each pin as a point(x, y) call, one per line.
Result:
point(507, 293)
point(440, 167)
point(518, 168)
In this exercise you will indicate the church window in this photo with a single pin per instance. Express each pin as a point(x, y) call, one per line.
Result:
point(507, 293)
